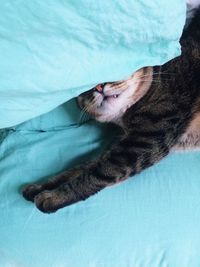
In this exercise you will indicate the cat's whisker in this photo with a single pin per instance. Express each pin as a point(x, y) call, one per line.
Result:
point(85, 111)
point(157, 74)
point(147, 80)
point(146, 75)
point(139, 81)
point(84, 114)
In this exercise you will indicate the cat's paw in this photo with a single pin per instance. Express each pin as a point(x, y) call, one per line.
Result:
point(30, 191)
point(47, 202)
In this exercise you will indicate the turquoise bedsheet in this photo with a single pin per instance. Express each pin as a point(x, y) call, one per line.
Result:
point(50, 51)
point(149, 221)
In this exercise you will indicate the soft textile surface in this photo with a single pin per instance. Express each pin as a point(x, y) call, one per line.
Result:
point(150, 221)
point(52, 50)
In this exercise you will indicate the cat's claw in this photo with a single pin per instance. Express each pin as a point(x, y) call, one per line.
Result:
point(30, 191)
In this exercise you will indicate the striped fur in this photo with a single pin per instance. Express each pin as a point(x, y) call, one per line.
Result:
point(164, 117)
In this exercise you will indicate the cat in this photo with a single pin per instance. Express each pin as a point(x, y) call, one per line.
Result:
point(158, 109)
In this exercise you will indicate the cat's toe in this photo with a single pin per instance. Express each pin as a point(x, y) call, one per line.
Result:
point(45, 202)
point(30, 191)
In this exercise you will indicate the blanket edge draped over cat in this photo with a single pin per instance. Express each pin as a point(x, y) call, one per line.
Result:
point(68, 47)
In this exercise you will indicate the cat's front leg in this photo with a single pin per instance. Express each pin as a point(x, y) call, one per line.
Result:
point(30, 191)
point(127, 157)
point(80, 183)
point(83, 181)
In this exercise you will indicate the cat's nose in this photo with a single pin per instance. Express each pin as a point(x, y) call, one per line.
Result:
point(99, 88)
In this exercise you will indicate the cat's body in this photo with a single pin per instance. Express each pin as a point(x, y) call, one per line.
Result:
point(158, 109)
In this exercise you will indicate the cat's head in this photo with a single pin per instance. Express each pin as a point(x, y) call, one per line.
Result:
point(108, 102)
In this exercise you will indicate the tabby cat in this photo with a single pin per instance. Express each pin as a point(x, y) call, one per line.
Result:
point(158, 109)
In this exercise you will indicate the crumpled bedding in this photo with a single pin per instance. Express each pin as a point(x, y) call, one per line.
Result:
point(151, 220)
point(50, 52)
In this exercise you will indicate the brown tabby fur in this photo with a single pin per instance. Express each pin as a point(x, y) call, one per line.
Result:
point(167, 115)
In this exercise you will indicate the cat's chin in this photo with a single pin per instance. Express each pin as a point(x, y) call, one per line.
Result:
point(105, 118)
point(109, 118)
point(108, 110)
point(108, 114)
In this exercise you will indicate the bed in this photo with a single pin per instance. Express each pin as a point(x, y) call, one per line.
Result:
point(51, 52)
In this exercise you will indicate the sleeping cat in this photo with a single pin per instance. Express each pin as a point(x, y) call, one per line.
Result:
point(158, 109)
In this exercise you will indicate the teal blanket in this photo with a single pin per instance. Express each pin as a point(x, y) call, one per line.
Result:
point(50, 51)
point(149, 221)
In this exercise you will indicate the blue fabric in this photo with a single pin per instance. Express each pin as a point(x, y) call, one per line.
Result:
point(50, 51)
point(149, 221)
